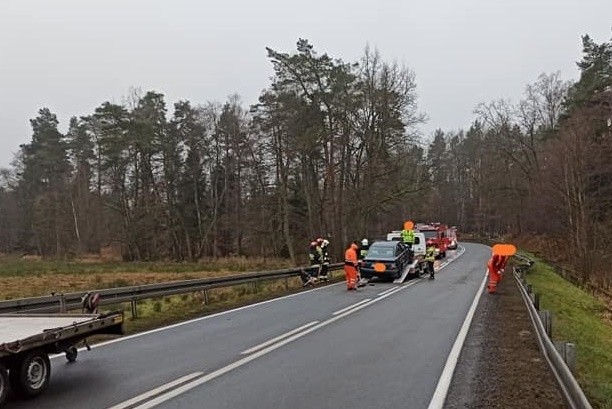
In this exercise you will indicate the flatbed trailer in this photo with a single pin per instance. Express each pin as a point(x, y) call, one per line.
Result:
point(26, 340)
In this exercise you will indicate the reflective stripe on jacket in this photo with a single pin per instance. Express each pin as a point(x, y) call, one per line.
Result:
point(430, 254)
point(408, 236)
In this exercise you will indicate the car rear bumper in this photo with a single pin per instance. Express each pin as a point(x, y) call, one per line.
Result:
point(368, 273)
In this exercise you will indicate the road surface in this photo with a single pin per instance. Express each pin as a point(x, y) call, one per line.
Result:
point(384, 346)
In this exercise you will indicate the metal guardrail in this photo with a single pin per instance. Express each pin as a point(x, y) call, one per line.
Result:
point(72, 301)
point(572, 393)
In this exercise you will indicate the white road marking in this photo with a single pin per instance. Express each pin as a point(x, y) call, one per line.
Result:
point(180, 324)
point(439, 396)
point(278, 338)
point(156, 391)
point(351, 306)
point(386, 291)
point(215, 374)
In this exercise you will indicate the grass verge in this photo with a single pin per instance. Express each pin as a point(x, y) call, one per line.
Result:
point(580, 318)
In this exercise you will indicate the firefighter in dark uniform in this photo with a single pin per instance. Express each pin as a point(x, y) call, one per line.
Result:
point(430, 257)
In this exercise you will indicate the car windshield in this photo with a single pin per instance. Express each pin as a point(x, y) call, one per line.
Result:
point(380, 251)
point(430, 234)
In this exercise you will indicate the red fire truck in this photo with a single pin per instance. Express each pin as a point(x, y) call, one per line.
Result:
point(437, 234)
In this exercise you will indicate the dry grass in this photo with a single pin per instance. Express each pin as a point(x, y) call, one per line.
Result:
point(27, 278)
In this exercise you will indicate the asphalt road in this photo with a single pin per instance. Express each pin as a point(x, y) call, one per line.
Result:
point(382, 347)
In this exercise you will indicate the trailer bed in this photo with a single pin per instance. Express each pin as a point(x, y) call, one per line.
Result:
point(18, 327)
point(26, 340)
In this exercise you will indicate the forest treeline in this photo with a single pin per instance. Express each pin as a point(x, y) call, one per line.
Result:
point(330, 148)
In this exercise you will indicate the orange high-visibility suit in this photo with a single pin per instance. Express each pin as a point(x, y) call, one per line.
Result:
point(495, 264)
point(350, 267)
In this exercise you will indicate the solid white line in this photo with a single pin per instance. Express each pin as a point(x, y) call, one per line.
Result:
point(439, 396)
point(155, 391)
point(351, 306)
point(278, 338)
point(197, 382)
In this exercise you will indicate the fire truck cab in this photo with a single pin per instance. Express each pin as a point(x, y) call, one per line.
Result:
point(436, 234)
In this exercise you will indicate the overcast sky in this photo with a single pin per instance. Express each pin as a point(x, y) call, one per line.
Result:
point(72, 55)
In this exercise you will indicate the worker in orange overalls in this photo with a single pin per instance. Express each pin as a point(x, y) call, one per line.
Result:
point(350, 266)
point(495, 266)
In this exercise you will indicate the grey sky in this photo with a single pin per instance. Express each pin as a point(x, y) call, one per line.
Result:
point(72, 55)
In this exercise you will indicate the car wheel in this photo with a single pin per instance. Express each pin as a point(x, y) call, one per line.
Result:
point(4, 383)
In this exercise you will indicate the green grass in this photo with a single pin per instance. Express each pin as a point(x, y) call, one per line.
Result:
point(154, 313)
point(15, 266)
point(580, 318)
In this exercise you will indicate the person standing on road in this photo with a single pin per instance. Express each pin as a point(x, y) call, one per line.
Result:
point(363, 249)
point(408, 238)
point(362, 253)
point(315, 255)
point(325, 260)
point(350, 266)
point(430, 258)
point(495, 266)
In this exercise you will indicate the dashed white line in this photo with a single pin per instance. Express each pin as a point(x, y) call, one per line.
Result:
point(351, 306)
point(157, 391)
point(278, 338)
point(208, 377)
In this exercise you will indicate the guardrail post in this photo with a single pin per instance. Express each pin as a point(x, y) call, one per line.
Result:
point(570, 355)
point(529, 288)
point(546, 317)
point(134, 308)
point(532, 298)
point(536, 301)
point(567, 350)
point(62, 303)
point(206, 296)
point(286, 283)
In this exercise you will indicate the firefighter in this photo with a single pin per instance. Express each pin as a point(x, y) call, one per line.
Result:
point(495, 267)
point(314, 253)
point(325, 260)
point(363, 252)
point(350, 266)
point(430, 257)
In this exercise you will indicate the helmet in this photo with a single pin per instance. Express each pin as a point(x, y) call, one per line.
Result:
point(325, 243)
point(320, 241)
point(364, 242)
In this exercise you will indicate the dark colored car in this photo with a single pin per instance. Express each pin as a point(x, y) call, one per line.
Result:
point(385, 259)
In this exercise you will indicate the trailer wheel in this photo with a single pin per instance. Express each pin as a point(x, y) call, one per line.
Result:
point(30, 375)
point(4, 383)
point(71, 354)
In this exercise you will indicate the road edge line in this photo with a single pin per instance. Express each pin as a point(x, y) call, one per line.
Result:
point(439, 396)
